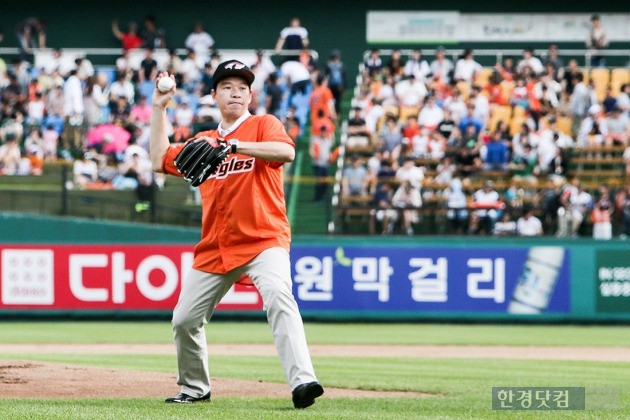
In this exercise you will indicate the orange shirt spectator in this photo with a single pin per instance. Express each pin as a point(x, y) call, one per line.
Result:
point(33, 90)
point(534, 100)
point(292, 127)
point(411, 129)
point(322, 100)
point(495, 92)
point(321, 122)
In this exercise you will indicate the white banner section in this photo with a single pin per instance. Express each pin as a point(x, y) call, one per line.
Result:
point(451, 27)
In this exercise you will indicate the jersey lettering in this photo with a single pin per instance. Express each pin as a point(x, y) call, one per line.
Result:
point(233, 166)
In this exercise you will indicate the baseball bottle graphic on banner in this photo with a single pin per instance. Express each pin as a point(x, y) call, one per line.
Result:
point(537, 280)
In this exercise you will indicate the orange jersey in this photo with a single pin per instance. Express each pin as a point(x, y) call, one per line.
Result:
point(320, 98)
point(318, 123)
point(244, 211)
point(495, 94)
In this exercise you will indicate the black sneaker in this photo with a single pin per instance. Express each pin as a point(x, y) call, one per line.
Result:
point(304, 395)
point(182, 398)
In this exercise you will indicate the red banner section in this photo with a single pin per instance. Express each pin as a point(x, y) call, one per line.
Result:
point(102, 277)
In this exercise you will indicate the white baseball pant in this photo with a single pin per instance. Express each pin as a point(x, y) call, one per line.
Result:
point(201, 292)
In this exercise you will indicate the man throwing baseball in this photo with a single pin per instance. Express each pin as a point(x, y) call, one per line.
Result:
point(245, 233)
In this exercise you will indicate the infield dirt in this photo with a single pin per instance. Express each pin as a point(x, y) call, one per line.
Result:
point(30, 379)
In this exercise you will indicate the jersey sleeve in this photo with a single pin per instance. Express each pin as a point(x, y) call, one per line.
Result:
point(273, 130)
point(168, 167)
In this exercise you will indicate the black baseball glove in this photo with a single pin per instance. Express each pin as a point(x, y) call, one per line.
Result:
point(198, 160)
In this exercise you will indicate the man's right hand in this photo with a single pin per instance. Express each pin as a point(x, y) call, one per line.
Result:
point(160, 99)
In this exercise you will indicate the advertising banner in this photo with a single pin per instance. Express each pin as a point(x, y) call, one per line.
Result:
point(613, 280)
point(102, 277)
point(408, 27)
point(491, 280)
point(353, 278)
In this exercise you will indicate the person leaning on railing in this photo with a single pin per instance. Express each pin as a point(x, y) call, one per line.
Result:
point(354, 180)
point(408, 198)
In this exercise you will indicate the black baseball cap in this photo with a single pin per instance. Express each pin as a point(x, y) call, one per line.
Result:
point(232, 68)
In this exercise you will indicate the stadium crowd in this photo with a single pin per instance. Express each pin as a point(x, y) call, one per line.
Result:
point(435, 130)
point(97, 117)
point(432, 130)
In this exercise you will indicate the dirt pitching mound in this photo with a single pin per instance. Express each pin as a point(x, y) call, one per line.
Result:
point(22, 379)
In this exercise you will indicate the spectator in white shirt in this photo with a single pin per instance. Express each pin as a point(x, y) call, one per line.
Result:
point(593, 129)
point(529, 61)
point(191, 68)
point(596, 41)
point(546, 149)
point(618, 127)
point(408, 197)
point(441, 68)
point(293, 37)
point(457, 106)
point(505, 226)
point(85, 68)
point(387, 92)
point(626, 159)
point(183, 119)
point(482, 104)
point(85, 171)
point(411, 92)
point(297, 76)
point(36, 109)
point(579, 102)
point(623, 99)
point(52, 62)
point(123, 63)
point(9, 155)
point(262, 67)
point(417, 66)
point(466, 67)
point(73, 110)
point(431, 115)
point(73, 95)
point(487, 201)
point(410, 172)
point(528, 224)
point(122, 87)
point(200, 41)
point(575, 205)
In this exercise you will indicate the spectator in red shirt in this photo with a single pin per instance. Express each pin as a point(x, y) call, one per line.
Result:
point(411, 128)
point(495, 91)
point(129, 39)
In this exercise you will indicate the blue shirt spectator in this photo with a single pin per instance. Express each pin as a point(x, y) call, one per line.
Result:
point(470, 119)
point(497, 153)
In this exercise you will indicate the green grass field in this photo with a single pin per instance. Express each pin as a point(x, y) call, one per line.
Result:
point(461, 388)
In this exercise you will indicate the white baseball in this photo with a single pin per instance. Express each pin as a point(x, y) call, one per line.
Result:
point(165, 84)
